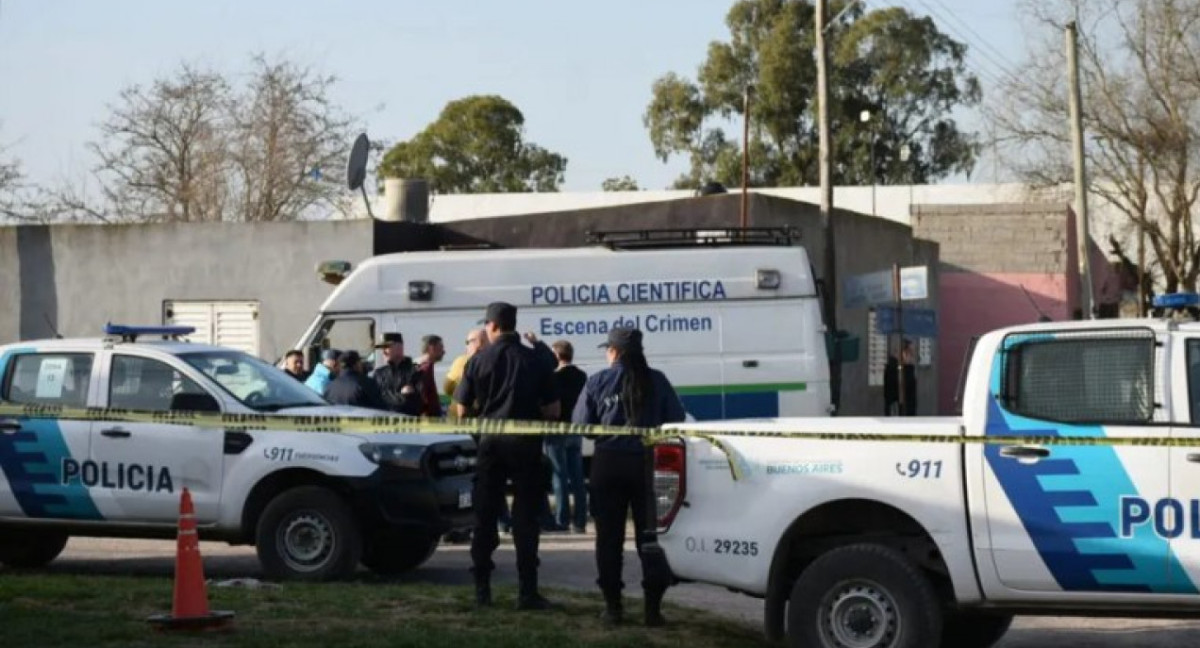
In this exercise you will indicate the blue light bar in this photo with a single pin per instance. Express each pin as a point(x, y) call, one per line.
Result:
point(1176, 300)
point(134, 331)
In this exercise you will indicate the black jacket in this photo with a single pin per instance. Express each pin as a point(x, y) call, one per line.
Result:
point(351, 388)
point(391, 378)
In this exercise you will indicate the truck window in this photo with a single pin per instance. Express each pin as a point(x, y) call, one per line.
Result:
point(1193, 360)
point(345, 335)
point(50, 379)
point(144, 384)
point(1090, 378)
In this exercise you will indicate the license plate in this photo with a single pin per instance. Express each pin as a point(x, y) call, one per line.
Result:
point(464, 499)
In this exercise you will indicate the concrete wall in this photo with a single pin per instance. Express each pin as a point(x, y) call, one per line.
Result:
point(1003, 265)
point(74, 278)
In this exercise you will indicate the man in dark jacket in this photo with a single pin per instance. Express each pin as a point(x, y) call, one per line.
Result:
point(351, 387)
point(507, 381)
point(396, 376)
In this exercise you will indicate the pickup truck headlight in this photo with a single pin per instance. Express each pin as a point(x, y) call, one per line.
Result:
point(394, 454)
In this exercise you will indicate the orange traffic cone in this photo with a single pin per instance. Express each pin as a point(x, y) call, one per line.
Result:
point(190, 609)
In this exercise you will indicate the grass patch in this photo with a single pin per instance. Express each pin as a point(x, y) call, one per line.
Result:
point(50, 610)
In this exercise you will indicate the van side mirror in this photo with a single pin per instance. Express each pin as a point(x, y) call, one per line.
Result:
point(842, 346)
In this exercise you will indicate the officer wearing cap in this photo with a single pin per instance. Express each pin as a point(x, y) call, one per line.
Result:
point(507, 380)
point(396, 376)
point(629, 393)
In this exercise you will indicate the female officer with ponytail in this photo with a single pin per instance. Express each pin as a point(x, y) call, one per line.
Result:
point(628, 393)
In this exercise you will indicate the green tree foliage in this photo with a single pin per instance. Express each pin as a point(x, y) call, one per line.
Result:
point(623, 183)
point(898, 66)
point(476, 145)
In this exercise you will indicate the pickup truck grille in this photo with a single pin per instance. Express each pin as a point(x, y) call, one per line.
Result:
point(451, 459)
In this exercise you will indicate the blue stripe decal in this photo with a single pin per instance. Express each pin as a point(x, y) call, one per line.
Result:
point(710, 407)
point(1070, 507)
point(32, 460)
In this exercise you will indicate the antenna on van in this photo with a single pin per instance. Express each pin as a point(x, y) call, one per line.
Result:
point(1042, 317)
point(53, 329)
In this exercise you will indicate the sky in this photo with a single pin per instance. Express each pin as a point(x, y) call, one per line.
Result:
point(581, 72)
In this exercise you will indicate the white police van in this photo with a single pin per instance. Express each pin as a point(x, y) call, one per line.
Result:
point(315, 505)
point(1070, 485)
point(736, 325)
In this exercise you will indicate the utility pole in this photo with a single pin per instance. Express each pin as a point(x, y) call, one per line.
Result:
point(745, 154)
point(826, 173)
point(1081, 205)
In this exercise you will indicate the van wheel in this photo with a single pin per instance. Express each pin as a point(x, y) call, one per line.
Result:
point(308, 533)
point(973, 630)
point(394, 552)
point(24, 549)
point(863, 596)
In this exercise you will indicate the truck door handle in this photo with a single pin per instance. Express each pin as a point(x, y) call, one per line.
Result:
point(116, 433)
point(10, 425)
point(1024, 452)
point(1194, 457)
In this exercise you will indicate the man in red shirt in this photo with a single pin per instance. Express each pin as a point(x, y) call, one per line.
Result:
point(432, 352)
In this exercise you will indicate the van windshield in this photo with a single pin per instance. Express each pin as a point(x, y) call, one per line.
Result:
point(254, 383)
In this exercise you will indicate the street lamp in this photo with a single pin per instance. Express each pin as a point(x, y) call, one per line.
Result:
point(865, 117)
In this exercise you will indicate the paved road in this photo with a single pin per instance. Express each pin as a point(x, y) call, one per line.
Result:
point(567, 562)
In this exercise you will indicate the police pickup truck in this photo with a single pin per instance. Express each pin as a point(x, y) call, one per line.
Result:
point(1069, 486)
point(315, 505)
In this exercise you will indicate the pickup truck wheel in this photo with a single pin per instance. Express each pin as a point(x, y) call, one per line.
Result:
point(23, 549)
point(973, 630)
point(389, 553)
point(308, 533)
point(863, 596)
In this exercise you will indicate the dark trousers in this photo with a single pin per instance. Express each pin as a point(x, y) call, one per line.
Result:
point(502, 458)
point(618, 485)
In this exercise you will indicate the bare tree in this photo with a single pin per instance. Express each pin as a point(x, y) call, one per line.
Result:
point(1140, 70)
point(191, 147)
point(163, 151)
point(288, 136)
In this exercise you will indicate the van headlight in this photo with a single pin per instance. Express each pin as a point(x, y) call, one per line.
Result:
point(394, 454)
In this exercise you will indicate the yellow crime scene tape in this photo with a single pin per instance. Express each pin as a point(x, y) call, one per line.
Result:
point(393, 424)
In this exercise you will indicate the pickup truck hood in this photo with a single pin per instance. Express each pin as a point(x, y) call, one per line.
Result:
point(901, 425)
point(364, 412)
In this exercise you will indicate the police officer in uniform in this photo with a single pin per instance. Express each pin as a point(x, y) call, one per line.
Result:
point(507, 380)
point(397, 375)
point(630, 393)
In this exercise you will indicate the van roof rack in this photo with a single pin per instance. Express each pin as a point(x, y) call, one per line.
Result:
point(693, 237)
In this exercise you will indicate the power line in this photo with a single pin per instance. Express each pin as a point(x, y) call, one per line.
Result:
point(975, 50)
point(982, 41)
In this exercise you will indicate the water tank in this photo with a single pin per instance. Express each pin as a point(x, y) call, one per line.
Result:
point(406, 199)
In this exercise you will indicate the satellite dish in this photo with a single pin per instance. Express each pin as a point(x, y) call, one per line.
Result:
point(356, 170)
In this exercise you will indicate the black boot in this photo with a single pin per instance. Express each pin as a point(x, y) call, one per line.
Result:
point(483, 590)
point(654, 617)
point(528, 597)
point(614, 610)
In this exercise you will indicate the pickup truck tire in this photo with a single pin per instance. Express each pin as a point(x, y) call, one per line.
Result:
point(22, 549)
point(863, 596)
point(973, 630)
point(393, 552)
point(308, 533)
